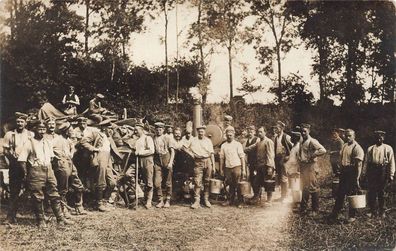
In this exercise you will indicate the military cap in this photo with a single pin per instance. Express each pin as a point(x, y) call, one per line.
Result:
point(82, 119)
point(281, 124)
point(105, 123)
point(64, 126)
point(201, 127)
point(168, 126)
point(227, 118)
point(297, 134)
point(159, 125)
point(189, 129)
point(230, 129)
point(39, 124)
point(139, 124)
point(20, 115)
point(49, 119)
point(379, 132)
point(305, 125)
point(99, 95)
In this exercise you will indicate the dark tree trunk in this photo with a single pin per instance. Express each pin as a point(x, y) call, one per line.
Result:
point(229, 48)
point(86, 32)
point(278, 58)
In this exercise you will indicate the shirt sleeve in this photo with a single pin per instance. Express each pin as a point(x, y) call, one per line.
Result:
point(319, 149)
point(77, 99)
point(391, 159)
point(64, 100)
point(149, 147)
point(221, 154)
point(210, 146)
point(240, 151)
point(271, 152)
point(7, 140)
point(358, 153)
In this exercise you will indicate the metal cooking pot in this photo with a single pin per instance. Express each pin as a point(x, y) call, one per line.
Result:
point(215, 186)
point(245, 188)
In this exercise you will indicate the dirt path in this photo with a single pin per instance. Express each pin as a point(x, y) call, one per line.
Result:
point(177, 228)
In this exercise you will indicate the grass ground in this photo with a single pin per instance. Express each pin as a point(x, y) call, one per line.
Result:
point(219, 228)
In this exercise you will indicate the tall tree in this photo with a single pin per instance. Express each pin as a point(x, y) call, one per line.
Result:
point(225, 18)
point(273, 16)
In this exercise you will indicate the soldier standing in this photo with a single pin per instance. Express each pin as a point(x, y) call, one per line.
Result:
point(65, 172)
point(36, 158)
point(99, 145)
point(265, 164)
point(232, 165)
point(252, 158)
point(14, 141)
point(145, 152)
point(309, 150)
point(283, 145)
point(352, 156)
point(336, 144)
point(204, 165)
point(163, 164)
point(380, 166)
point(70, 102)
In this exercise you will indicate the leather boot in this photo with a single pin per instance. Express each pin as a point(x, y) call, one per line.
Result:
point(79, 204)
point(167, 202)
point(196, 205)
point(38, 209)
point(160, 204)
point(206, 200)
point(149, 198)
point(56, 209)
point(11, 214)
point(64, 210)
point(101, 205)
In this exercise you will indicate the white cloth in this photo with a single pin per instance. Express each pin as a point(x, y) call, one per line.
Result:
point(232, 152)
point(145, 146)
point(37, 152)
point(202, 148)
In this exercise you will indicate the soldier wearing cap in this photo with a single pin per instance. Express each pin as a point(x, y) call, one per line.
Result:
point(232, 165)
point(187, 137)
point(36, 157)
point(169, 131)
point(14, 141)
point(65, 171)
point(145, 151)
point(335, 146)
point(51, 126)
point(380, 168)
point(351, 157)
point(264, 164)
point(282, 146)
point(163, 164)
point(70, 102)
point(204, 164)
point(81, 158)
point(100, 147)
point(252, 157)
point(95, 110)
point(227, 124)
point(310, 150)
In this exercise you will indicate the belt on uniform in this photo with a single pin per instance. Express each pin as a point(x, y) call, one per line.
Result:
point(201, 158)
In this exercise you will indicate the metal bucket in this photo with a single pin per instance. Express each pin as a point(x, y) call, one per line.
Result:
point(215, 186)
point(245, 188)
point(295, 184)
point(357, 201)
point(297, 196)
point(269, 185)
point(334, 187)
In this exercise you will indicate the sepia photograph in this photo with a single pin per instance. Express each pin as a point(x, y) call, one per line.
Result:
point(197, 125)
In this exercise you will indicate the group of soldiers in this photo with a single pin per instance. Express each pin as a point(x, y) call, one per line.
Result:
point(52, 165)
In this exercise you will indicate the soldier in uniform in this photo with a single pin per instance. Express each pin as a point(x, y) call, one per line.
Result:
point(14, 141)
point(65, 171)
point(252, 158)
point(81, 158)
point(380, 168)
point(336, 144)
point(145, 152)
point(70, 102)
point(310, 150)
point(36, 158)
point(51, 126)
point(264, 164)
point(352, 156)
point(100, 147)
point(163, 164)
point(95, 110)
point(232, 165)
point(204, 164)
point(283, 145)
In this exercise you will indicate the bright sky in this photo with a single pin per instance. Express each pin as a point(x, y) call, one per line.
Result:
point(147, 48)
